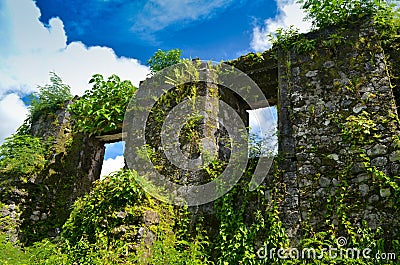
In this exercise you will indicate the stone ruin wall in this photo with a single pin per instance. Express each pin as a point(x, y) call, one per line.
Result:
point(37, 209)
point(314, 93)
point(318, 92)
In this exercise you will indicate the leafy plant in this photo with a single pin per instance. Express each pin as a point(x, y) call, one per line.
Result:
point(162, 59)
point(115, 191)
point(291, 38)
point(46, 253)
point(325, 13)
point(170, 250)
point(23, 156)
point(359, 129)
point(284, 38)
point(102, 108)
point(49, 98)
point(245, 227)
point(104, 227)
point(43, 253)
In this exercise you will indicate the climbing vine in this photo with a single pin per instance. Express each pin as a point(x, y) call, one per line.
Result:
point(249, 221)
point(359, 129)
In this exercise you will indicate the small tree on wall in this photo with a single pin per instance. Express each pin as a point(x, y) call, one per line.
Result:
point(162, 59)
point(102, 108)
point(49, 98)
point(329, 12)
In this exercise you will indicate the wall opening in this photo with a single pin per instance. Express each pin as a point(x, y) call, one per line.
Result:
point(263, 132)
point(113, 158)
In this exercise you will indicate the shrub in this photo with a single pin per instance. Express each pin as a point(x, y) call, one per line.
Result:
point(325, 13)
point(102, 108)
point(22, 156)
point(162, 59)
point(49, 98)
point(103, 227)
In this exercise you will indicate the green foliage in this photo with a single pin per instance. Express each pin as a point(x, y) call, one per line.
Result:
point(284, 38)
point(115, 192)
point(46, 253)
point(252, 58)
point(291, 38)
point(321, 242)
point(382, 179)
point(102, 108)
point(162, 59)
point(170, 250)
point(103, 227)
point(41, 253)
point(333, 12)
point(325, 13)
point(248, 61)
point(359, 129)
point(11, 253)
point(22, 156)
point(49, 98)
point(245, 227)
point(333, 41)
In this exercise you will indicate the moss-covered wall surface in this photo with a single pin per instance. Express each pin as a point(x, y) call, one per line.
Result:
point(339, 133)
point(39, 207)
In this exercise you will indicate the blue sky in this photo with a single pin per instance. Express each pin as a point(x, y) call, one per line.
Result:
point(77, 39)
point(208, 29)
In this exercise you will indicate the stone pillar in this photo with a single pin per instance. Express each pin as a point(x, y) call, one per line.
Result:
point(290, 214)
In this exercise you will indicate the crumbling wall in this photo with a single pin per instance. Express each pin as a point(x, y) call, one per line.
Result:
point(338, 142)
point(40, 207)
point(333, 160)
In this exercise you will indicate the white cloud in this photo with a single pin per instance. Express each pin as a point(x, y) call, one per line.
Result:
point(12, 113)
point(111, 165)
point(29, 50)
point(289, 13)
point(159, 14)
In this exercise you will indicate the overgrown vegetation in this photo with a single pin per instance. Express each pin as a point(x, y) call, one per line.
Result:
point(249, 221)
point(22, 156)
point(162, 59)
point(49, 98)
point(102, 108)
point(328, 13)
point(324, 13)
point(118, 223)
